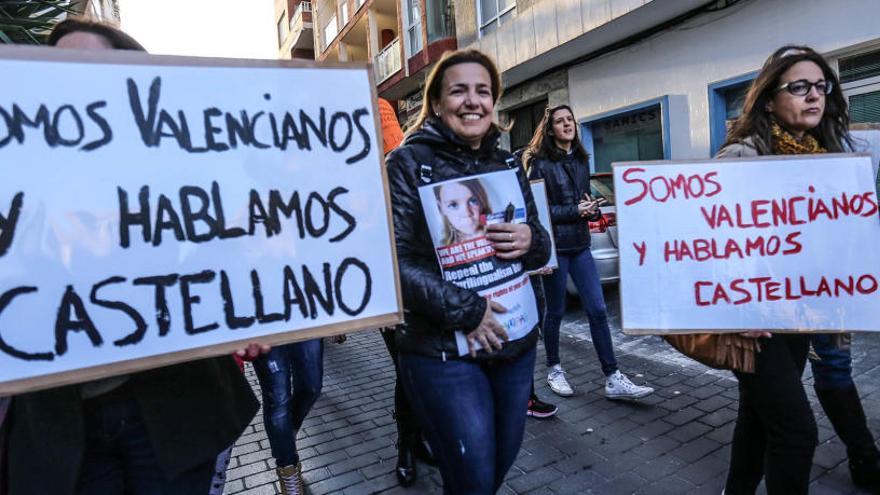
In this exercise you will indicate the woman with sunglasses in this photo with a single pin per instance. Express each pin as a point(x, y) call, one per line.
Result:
point(795, 106)
point(556, 155)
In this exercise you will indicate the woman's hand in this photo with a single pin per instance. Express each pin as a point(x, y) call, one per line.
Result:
point(588, 206)
point(756, 334)
point(544, 270)
point(253, 351)
point(510, 240)
point(489, 334)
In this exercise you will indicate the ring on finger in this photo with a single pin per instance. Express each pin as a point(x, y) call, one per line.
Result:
point(509, 236)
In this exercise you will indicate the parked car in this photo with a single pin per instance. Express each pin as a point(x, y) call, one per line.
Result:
point(603, 233)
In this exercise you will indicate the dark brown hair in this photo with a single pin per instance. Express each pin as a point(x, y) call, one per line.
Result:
point(756, 122)
point(434, 81)
point(117, 39)
point(543, 145)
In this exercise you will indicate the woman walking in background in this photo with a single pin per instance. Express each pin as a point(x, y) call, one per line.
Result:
point(556, 155)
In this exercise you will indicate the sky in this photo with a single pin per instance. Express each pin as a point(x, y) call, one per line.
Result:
point(208, 28)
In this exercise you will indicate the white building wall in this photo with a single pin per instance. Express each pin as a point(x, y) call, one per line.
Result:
point(682, 62)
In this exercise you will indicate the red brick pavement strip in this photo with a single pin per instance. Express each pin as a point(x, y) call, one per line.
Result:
point(676, 442)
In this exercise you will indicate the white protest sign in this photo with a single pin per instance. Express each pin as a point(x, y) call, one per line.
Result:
point(781, 244)
point(159, 209)
point(457, 212)
point(539, 192)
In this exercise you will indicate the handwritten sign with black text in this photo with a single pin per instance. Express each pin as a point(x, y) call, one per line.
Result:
point(161, 209)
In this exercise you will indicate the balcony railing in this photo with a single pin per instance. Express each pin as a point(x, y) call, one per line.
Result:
point(296, 22)
point(388, 61)
point(441, 23)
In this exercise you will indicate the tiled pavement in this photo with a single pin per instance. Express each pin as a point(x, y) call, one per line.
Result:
point(676, 441)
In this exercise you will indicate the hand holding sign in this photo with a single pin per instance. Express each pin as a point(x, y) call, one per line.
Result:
point(487, 334)
point(253, 351)
point(756, 334)
point(510, 240)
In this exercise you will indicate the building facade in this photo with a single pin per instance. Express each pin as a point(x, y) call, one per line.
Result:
point(661, 79)
point(294, 29)
point(102, 10)
point(401, 38)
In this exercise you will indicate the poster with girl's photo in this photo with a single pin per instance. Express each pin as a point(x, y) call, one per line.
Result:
point(457, 212)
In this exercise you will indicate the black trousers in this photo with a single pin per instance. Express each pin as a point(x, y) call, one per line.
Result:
point(775, 435)
point(4, 410)
point(403, 414)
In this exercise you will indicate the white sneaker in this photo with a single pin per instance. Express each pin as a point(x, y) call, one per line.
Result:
point(618, 386)
point(558, 384)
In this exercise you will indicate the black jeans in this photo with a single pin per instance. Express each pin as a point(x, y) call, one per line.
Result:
point(119, 457)
point(775, 434)
point(403, 415)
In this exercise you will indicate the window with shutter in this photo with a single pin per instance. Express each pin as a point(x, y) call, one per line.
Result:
point(865, 108)
point(859, 67)
point(860, 81)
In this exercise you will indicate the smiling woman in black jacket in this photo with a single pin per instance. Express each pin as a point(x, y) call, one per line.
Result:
point(471, 407)
point(556, 155)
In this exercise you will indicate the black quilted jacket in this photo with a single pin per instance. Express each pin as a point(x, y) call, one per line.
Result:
point(435, 308)
point(566, 179)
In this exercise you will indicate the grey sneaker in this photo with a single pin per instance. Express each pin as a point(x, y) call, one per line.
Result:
point(618, 386)
point(558, 384)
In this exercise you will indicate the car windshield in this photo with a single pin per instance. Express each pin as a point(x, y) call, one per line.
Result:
point(602, 186)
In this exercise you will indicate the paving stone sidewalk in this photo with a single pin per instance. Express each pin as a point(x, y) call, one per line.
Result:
point(676, 441)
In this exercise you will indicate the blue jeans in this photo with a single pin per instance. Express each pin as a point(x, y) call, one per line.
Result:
point(473, 415)
point(291, 377)
point(833, 370)
point(119, 457)
point(586, 279)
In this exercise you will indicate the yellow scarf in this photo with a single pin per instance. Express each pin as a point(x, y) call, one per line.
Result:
point(786, 144)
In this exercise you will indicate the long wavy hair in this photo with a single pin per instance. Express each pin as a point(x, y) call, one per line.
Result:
point(756, 122)
point(434, 82)
point(542, 144)
point(451, 235)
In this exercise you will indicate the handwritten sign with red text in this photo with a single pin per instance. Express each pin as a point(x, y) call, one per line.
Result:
point(783, 244)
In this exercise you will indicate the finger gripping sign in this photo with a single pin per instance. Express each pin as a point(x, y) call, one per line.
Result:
point(155, 210)
point(786, 244)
